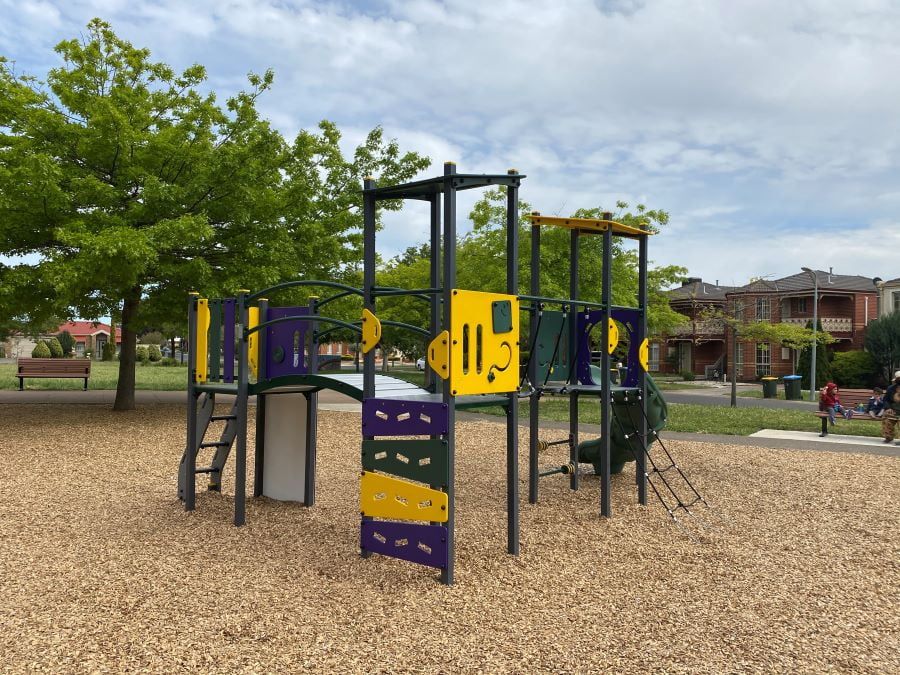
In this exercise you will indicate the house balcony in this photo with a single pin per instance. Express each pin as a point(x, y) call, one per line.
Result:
point(829, 324)
point(706, 328)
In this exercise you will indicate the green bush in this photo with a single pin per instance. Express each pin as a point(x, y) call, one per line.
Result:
point(109, 351)
point(142, 354)
point(688, 376)
point(56, 350)
point(67, 342)
point(170, 361)
point(2, 352)
point(153, 338)
point(854, 370)
point(155, 353)
point(40, 351)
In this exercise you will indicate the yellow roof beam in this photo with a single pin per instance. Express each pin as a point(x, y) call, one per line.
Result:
point(590, 224)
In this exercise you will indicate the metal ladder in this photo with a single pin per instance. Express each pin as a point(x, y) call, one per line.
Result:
point(205, 416)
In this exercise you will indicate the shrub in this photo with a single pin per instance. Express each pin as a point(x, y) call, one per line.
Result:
point(109, 351)
point(2, 352)
point(169, 361)
point(40, 351)
point(153, 338)
point(142, 354)
point(154, 353)
point(688, 376)
point(56, 350)
point(67, 342)
point(854, 369)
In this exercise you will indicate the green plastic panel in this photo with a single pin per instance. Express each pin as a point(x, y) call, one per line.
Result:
point(420, 460)
point(553, 324)
point(501, 316)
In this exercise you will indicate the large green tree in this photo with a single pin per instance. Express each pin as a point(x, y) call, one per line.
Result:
point(883, 343)
point(133, 184)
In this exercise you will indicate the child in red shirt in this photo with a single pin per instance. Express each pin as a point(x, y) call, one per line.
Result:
point(830, 402)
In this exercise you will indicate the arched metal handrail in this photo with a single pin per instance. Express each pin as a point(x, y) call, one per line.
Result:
point(395, 324)
point(303, 317)
point(303, 282)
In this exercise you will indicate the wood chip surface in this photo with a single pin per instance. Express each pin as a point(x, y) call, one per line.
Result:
point(101, 569)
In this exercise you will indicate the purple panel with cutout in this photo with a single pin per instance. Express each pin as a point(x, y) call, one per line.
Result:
point(228, 346)
point(422, 544)
point(286, 342)
point(630, 318)
point(392, 417)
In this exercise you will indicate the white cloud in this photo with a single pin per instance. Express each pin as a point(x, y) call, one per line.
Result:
point(766, 128)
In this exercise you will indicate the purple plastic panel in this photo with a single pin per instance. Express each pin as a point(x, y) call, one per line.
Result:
point(422, 544)
point(392, 417)
point(630, 318)
point(228, 346)
point(286, 342)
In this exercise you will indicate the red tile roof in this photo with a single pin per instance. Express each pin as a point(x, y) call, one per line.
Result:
point(80, 329)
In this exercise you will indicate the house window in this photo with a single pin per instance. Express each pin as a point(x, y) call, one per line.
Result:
point(801, 305)
point(79, 348)
point(762, 309)
point(739, 309)
point(785, 354)
point(896, 296)
point(739, 356)
point(763, 358)
point(654, 357)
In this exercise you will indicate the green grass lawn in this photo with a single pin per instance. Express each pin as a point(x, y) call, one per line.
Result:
point(757, 393)
point(707, 419)
point(104, 375)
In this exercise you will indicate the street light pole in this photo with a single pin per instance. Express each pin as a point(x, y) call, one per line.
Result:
point(812, 366)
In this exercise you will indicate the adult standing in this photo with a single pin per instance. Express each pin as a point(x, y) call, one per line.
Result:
point(891, 409)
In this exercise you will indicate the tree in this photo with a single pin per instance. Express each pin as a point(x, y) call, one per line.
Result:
point(823, 358)
point(134, 186)
point(883, 343)
point(67, 342)
point(56, 350)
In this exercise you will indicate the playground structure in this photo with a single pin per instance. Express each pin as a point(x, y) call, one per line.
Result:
point(407, 500)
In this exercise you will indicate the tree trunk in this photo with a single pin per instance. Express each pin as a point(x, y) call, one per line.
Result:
point(125, 387)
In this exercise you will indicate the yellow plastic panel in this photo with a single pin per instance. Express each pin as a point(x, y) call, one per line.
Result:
point(613, 336)
point(644, 355)
point(201, 362)
point(588, 224)
point(383, 496)
point(439, 354)
point(253, 347)
point(481, 361)
point(371, 331)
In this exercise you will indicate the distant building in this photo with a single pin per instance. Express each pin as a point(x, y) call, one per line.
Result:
point(703, 346)
point(89, 336)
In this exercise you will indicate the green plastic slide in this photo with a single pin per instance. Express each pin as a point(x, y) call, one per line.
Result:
point(626, 420)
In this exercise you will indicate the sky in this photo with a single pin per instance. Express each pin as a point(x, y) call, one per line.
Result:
point(767, 129)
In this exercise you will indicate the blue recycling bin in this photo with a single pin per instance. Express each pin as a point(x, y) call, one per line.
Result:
point(792, 388)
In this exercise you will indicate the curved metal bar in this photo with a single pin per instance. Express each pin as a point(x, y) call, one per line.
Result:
point(303, 282)
point(407, 326)
point(304, 317)
point(391, 290)
point(327, 331)
point(336, 296)
point(383, 291)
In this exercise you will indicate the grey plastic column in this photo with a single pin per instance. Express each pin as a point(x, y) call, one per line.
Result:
point(512, 410)
point(447, 397)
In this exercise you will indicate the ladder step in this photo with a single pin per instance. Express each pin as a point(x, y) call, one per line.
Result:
point(206, 469)
point(219, 418)
point(215, 444)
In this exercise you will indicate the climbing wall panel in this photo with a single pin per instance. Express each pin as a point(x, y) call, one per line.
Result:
point(420, 460)
point(387, 497)
point(391, 417)
point(422, 544)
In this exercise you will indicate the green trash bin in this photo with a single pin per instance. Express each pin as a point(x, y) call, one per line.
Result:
point(792, 388)
point(770, 387)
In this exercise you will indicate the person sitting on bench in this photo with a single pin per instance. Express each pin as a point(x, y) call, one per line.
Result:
point(830, 402)
point(875, 406)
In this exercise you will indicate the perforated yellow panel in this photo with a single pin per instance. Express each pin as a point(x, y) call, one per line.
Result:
point(383, 496)
point(484, 343)
point(201, 357)
point(644, 354)
point(253, 347)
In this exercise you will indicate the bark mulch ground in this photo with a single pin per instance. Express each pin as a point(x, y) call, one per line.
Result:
point(101, 569)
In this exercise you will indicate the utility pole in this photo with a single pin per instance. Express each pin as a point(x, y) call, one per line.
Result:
point(812, 366)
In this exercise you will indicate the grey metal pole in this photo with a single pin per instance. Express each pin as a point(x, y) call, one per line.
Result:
point(572, 351)
point(449, 280)
point(812, 366)
point(535, 399)
point(512, 410)
point(259, 458)
point(433, 383)
point(190, 463)
point(369, 217)
point(643, 301)
point(606, 394)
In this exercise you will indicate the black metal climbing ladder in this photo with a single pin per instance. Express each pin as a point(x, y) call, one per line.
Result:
point(206, 415)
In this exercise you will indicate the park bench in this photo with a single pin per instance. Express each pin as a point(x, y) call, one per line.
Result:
point(65, 368)
point(849, 399)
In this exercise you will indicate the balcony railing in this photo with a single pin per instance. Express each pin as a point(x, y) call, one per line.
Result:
point(829, 324)
point(704, 327)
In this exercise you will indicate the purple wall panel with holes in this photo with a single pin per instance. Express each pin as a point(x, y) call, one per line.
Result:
point(228, 346)
point(630, 318)
point(284, 353)
point(390, 417)
point(424, 544)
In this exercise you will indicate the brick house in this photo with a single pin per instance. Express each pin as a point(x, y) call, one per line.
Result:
point(89, 336)
point(846, 305)
point(699, 345)
point(889, 296)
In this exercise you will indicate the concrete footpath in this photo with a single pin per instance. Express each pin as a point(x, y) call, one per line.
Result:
point(331, 400)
